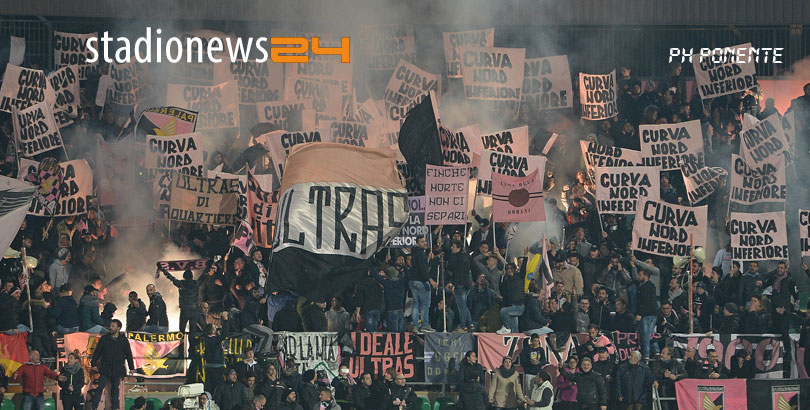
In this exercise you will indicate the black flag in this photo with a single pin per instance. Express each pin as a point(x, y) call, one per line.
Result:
point(419, 141)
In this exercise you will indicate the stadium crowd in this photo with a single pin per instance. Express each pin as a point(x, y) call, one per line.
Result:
point(448, 282)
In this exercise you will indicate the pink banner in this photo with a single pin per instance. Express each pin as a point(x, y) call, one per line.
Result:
point(700, 394)
point(518, 199)
point(446, 191)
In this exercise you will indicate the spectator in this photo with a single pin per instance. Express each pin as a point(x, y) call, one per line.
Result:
point(569, 275)
point(214, 356)
point(583, 315)
point(59, 271)
point(667, 371)
point(741, 365)
point(206, 403)
point(490, 264)
point(65, 311)
point(140, 403)
point(419, 286)
point(288, 402)
point(248, 366)
point(480, 299)
point(703, 306)
point(189, 290)
point(89, 317)
point(713, 368)
point(326, 400)
point(394, 287)
point(341, 384)
point(634, 380)
point(136, 313)
point(158, 321)
point(362, 392)
point(647, 312)
point(231, 394)
point(624, 320)
point(71, 387)
point(271, 387)
point(606, 367)
point(439, 315)
point(591, 391)
point(400, 396)
point(563, 320)
point(313, 315)
point(730, 323)
point(309, 390)
point(566, 387)
point(111, 353)
point(31, 376)
point(472, 394)
point(615, 277)
point(751, 284)
point(542, 393)
point(337, 318)
point(756, 319)
point(290, 376)
point(458, 273)
point(505, 391)
point(513, 300)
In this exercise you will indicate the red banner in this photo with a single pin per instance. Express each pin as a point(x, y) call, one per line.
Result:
point(700, 394)
point(13, 351)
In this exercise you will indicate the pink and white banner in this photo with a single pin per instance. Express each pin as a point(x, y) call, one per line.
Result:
point(518, 199)
point(446, 195)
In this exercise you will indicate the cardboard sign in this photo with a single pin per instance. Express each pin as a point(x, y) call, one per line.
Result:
point(446, 195)
point(597, 96)
point(755, 185)
point(16, 53)
point(326, 96)
point(701, 182)
point(115, 168)
point(407, 87)
point(70, 49)
point(182, 153)
point(507, 164)
point(759, 236)
point(804, 231)
point(547, 83)
point(513, 141)
point(35, 130)
point(375, 352)
point(130, 84)
point(455, 42)
point(493, 73)
point(518, 199)
point(459, 146)
point(667, 146)
point(279, 143)
point(279, 113)
point(216, 106)
point(765, 142)
point(664, 229)
point(598, 155)
point(76, 188)
point(65, 84)
point(415, 227)
point(722, 73)
point(265, 182)
point(618, 189)
point(24, 87)
point(256, 82)
point(353, 133)
point(386, 44)
point(203, 200)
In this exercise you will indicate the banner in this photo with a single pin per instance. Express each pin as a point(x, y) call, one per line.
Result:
point(24, 87)
point(758, 236)
point(16, 52)
point(765, 142)
point(14, 352)
point(115, 170)
point(454, 42)
point(375, 352)
point(261, 212)
point(513, 141)
point(767, 350)
point(70, 49)
point(506, 164)
point(597, 96)
point(15, 197)
point(180, 266)
point(493, 73)
point(243, 238)
point(492, 348)
point(415, 227)
point(518, 199)
point(804, 231)
point(667, 146)
point(182, 153)
point(775, 394)
point(446, 195)
point(279, 143)
point(35, 130)
point(618, 189)
point(311, 351)
point(75, 190)
point(256, 82)
point(158, 355)
point(290, 115)
point(165, 122)
point(702, 181)
point(130, 84)
point(721, 73)
point(755, 185)
point(385, 44)
point(217, 106)
point(664, 229)
point(598, 155)
point(420, 143)
point(233, 347)
point(203, 200)
point(547, 83)
point(65, 84)
point(459, 146)
point(407, 87)
point(265, 181)
point(85, 343)
point(444, 352)
point(326, 96)
point(711, 394)
point(354, 133)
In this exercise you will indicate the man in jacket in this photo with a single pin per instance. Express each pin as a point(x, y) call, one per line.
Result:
point(606, 366)
point(158, 320)
point(369, 294)
point(136, 313)
point(615, 277)
point(214, 356)
point(784, 301)
point(400, 396)
point(32, 376)
point(108, 360)
point(634, 380)
point(420, 284)
point(647, 312)
point(458, 273)
point(59, 271)
point(327, 402)
point(480, 299)
point(189, 290)
point(570, 275)
point(231, 394)
point(532, 320)
point(668, 371)
point(490, 264)
point(65, 311)
point(361, 392)
point(591, 391)
point(712, 368)
point(89, 318)
point(513, 300)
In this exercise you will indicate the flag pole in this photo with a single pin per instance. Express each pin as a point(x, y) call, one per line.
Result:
point(691, 274)
point(27, 286)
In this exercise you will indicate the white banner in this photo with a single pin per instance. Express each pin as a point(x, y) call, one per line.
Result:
point(666, 146)
point(71, 49)
point(76, 188)
point(765, 142)
point(311, 351)
point(407, 87)
point(597, 155)
point(547, 83)
point(493, 73)
point(702, 181)
point(24, 87)
point(65, 85)
point(756, 185)
point(279, 143)
point(326, 96)
point(618, 189)
point(721, 73)
point(35, 130)
point(354, 133)
point(217, 106)
point(758, 236)
point(385, 44)
point(182, 153)
point(265, 183)
point(507, 164)
point(454, 42)
point(256, 82)
point(279, 113)
point(804, 231)
point(130, 83)
point(459, 146)
point(513, 141)
point(664, 229)
point(597, 96)
point(356, 222)
point(204, 201)
point(446, 195)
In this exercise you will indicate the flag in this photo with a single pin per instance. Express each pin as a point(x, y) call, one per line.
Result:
point(13, 351)
point(517, 199)
point(711, 394)
point(158, 354)
point(339, 204)
point(165, 121)
point(419, 140)
point(48, 180)
point(243, 238)
point(15, 198)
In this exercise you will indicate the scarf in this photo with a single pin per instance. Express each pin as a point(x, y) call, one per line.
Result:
point(506, 373)
point(778, 282)
point(73, 369)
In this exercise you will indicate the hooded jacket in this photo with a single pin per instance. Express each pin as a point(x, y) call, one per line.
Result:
point(110, 354)
point(88, 313)
point(157, 312)
point(369, 294)
point(136, 317)
point(505, 388)
point(32, 377)
point(65, 311)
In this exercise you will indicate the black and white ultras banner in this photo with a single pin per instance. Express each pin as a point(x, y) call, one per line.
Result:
point(339, 218)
